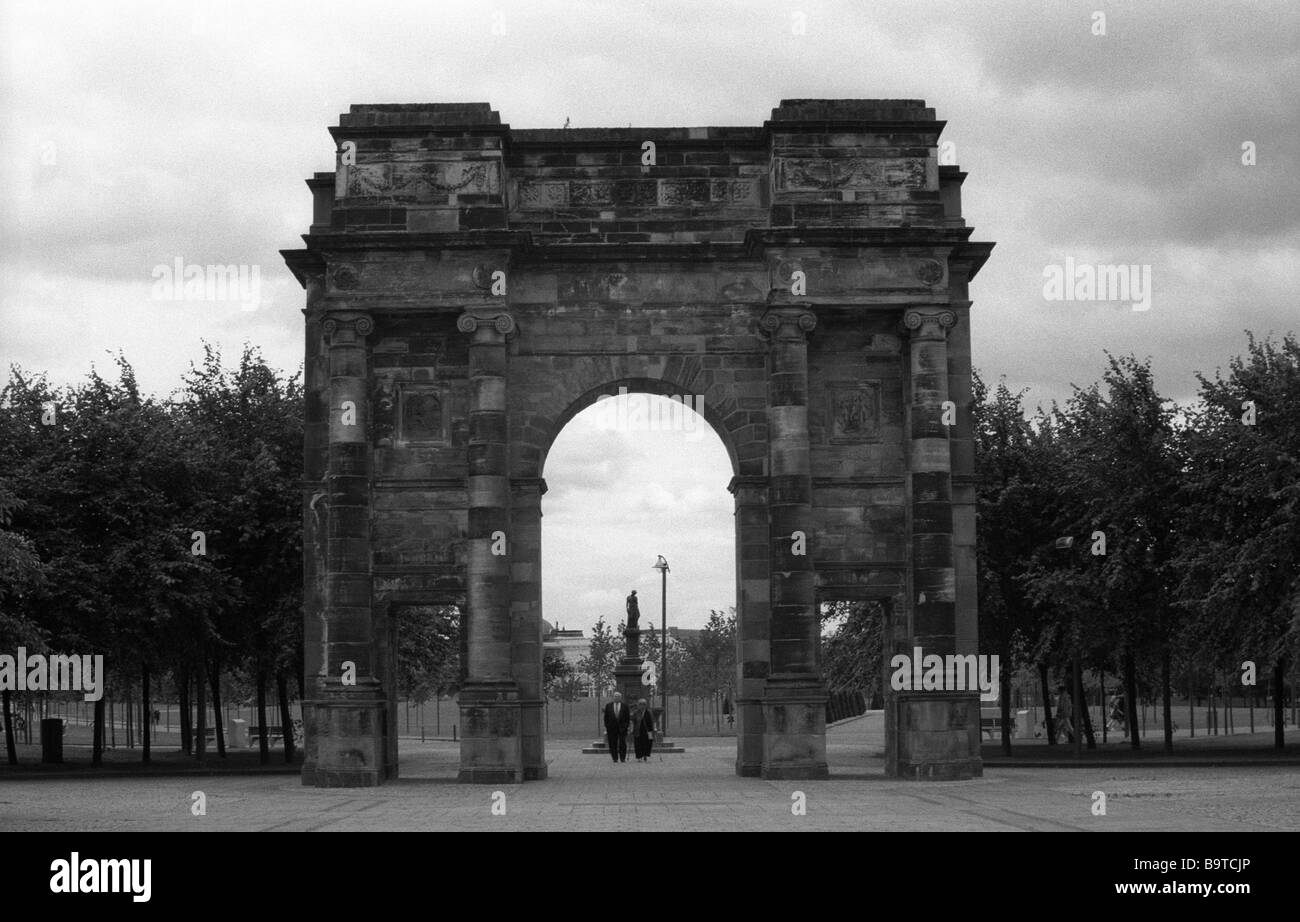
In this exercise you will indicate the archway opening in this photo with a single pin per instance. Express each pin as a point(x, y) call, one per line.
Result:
point(427, 643)
point(633, 476)
point(852, 656)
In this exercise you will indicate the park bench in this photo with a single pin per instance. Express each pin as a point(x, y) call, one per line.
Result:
point(991, 722)
point(274, 735)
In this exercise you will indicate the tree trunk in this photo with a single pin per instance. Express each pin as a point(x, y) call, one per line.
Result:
point(97, 752)
point(146, 725)
point(264, 745)
point(201, 702)
point(6, 704)
point(1167, 696)
point(1046, 687)
point(286, 718)
point(1085, 715)
point(216, 706)
point(1130, 693)
point(1004, 691)
point(187, 727)
point(1279, 706)
point(1105, 714)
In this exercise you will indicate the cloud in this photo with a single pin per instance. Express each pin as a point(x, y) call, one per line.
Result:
point(187, 130)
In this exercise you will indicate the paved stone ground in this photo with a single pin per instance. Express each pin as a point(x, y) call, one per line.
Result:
point(694, 791)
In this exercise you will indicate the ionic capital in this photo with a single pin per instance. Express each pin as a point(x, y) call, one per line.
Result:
point(929, 324)
point(787, 323)
point(346, 328)
point(488, 325)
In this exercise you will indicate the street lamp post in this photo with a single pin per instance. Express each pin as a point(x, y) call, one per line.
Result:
point(662, 566)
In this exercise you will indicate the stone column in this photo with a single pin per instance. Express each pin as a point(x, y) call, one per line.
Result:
point(526, 620)
point(348, 717)
point(490, 750)
point(794, 699)
point(753, 619)
point(938, 730)
point(315, 507)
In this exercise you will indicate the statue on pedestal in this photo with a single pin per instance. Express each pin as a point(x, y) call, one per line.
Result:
point(633, 632)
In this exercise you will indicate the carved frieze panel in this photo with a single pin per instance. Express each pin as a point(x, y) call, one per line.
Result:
point(815, 174)
point(430, 178)
point(853, 411)
point(421, 414)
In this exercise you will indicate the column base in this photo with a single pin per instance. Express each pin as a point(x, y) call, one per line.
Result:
point(936, 737)
point(347, 740)
point(533, 739)
point(491, 750)
point(749, 737)
point(794, 729)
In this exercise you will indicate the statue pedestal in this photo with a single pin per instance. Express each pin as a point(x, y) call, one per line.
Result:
point(627, 679)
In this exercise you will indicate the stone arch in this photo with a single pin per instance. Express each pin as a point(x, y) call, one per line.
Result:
point(654, 386)
point(736, 411)
point(828, 395)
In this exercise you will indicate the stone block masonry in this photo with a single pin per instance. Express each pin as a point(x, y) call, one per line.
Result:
point(471, 287)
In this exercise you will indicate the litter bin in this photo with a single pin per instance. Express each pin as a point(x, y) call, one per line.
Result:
point(52, 740)
point(1024, 730)
point(237, 733)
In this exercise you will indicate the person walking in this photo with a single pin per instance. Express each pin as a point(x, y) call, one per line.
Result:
point(617, 719)
point(1119, 715)
point(643, 731)
point(1063, 725)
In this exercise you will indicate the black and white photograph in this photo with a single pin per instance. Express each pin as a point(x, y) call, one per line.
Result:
point(690, 416)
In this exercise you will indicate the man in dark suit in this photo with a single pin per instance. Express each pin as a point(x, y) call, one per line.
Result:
point(617, 720)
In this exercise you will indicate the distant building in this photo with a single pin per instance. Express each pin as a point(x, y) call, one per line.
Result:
point(682, 634)
point(571, 644)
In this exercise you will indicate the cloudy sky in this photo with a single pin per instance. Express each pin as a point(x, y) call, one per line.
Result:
point(134, 134)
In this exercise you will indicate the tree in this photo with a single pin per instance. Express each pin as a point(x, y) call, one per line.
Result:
point(557, 674)
point(1015, 515)
point(246, 430)
point(1118, 476)
point(1239, 569)
point(711, 656)
point(428, 651)
point(852, 647)
point(105, 512)
point(21, 571)
point(603, 653)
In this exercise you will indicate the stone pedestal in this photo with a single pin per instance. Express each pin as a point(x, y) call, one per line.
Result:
point(491, 749)
point(348, 727)
point(627, 674)
point(931, 736)
point(794, 741)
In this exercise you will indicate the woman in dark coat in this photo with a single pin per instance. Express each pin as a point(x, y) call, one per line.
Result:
point(643, 731)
